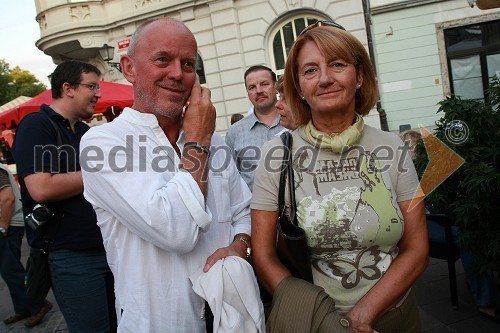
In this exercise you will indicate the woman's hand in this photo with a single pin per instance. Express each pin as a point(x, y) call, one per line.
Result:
point(403, 271)
point(359, 324)
point(358, 327)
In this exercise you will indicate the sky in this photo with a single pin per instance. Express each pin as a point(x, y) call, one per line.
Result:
point(19, 31)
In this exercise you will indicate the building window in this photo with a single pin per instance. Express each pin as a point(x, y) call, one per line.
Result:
point(283, 38)
point(473, 54)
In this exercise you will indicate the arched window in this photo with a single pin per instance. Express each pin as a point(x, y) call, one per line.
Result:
point(283, 38)
point(200, 70)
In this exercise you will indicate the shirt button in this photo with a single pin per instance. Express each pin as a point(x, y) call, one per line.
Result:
point(344, 322)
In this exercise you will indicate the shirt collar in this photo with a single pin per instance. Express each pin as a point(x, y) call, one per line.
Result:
point(44, 108)
point(139, 118)
point(148, 120)
point(254, 120)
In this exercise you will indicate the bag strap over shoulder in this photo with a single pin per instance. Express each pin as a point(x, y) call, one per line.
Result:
point(287, 172)
point(52, 227)
point(59, 140)
point(52, 122)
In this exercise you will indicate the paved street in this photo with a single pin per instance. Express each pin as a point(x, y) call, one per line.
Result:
point(432, 290)
point(53, 321)
point(438, 316)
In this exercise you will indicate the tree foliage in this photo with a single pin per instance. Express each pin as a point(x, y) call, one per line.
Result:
point(471, 195)
point(17, 82)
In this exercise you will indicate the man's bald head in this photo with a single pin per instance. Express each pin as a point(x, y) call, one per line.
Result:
point(136, 37)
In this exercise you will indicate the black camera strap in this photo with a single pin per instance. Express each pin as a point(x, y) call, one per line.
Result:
point(59, 140)
point(49, 234)
point(49, 229)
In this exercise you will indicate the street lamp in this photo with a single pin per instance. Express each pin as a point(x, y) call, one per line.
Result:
point(107, 52)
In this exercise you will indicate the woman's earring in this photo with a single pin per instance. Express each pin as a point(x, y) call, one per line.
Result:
point(303, 97)
point(358, 86)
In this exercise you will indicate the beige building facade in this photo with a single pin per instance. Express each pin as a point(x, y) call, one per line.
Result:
point(232, 35)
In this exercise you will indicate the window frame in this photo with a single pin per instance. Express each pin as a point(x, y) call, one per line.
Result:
point(482, 51)
point(308, 17)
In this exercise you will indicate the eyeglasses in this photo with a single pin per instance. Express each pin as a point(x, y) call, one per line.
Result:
point(321, 24)
point(92, 86)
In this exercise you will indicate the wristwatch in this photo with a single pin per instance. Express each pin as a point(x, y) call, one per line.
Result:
point(5, 230)
point(249, 249)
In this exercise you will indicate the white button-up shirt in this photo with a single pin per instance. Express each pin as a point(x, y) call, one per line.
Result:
point(156, 227)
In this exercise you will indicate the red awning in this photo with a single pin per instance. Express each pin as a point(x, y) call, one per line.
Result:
point(113, 95)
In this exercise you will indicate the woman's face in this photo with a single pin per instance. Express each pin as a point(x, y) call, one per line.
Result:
point(284, 112)
point(328, 85)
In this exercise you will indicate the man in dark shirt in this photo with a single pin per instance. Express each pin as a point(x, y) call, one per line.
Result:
point(46, 151)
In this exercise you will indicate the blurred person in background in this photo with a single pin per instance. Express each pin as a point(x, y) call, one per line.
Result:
point(482, 286)
point(286, 119)
point(246, 137)
point(11, 268)
point(236, 117)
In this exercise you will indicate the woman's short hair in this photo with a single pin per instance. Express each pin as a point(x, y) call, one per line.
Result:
point(236, 117)
point(412, 137)
point(279, 84)
point(332, 42)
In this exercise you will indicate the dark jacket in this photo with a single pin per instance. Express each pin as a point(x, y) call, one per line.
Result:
point(301, 307)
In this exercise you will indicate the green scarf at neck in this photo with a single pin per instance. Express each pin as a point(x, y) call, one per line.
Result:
point(335, 142)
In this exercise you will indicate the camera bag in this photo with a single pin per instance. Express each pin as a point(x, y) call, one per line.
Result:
point(38, 281)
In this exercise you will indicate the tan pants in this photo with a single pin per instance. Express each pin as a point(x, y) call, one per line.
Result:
point(403, 319)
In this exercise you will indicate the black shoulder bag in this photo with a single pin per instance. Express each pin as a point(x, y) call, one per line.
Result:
point(291, 245)
point(38, 280)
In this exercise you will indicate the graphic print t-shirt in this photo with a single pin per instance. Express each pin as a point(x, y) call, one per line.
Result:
point(347, 204)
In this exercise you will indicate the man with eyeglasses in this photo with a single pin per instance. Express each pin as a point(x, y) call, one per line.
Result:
point(46, 151)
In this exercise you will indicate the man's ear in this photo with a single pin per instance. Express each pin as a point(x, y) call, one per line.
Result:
point(128, 69)
point(67, 90)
